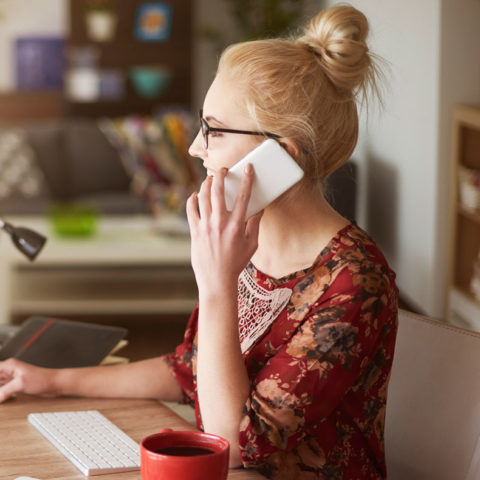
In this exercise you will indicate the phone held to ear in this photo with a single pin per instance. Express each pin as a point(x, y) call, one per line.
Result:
point(275, 171)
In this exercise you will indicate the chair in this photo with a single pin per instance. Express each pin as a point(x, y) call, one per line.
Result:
point(433, 410)
point(341, 190)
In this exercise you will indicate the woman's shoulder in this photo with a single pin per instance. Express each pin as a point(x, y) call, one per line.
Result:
point(351, 267)
point(352, 246)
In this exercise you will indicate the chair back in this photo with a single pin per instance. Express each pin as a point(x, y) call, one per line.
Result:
point(433, 410)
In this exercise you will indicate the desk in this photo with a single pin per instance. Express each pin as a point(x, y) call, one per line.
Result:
point(24, 451)
point(126, 267)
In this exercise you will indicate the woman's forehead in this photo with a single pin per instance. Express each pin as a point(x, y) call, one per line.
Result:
point(225, 99)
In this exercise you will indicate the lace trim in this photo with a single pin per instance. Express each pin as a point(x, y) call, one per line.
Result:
point(257, 308)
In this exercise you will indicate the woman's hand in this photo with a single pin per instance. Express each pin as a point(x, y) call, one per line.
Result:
point(17, 377)
point(222, 242)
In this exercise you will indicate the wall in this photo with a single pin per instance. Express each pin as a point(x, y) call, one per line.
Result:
point(404, 151)
point(205, 55)
point(26, 17)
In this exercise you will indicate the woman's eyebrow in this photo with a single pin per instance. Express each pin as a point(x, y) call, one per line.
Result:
point(211, 118)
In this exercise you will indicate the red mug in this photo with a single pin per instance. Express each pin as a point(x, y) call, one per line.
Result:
point(171, 454)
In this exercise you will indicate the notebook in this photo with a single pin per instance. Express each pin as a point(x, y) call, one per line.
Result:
point(58, 343)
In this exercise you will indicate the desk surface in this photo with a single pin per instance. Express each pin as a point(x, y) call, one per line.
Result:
point(26, 452)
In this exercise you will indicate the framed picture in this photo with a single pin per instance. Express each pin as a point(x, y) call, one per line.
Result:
point(39, 63)
point(153, 22)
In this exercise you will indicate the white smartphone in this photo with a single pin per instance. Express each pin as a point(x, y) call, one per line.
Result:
point(275, 171)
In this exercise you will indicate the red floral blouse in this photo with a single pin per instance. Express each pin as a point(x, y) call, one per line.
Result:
point(318, 346)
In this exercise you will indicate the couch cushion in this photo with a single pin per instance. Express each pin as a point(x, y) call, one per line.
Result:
point(46, 141)
point(93, 163)
point(20, 176)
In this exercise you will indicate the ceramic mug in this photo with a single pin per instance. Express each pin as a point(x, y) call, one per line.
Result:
point(184, 455)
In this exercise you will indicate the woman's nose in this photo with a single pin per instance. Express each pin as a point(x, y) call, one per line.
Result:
point(197, 148)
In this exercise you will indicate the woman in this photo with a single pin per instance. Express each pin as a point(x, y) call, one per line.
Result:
point(289, 350)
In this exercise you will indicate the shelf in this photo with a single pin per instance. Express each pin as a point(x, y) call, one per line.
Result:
point(463, 307)
point(103, 307)
point(126, 268)
point(101, 290)
point(126, 51)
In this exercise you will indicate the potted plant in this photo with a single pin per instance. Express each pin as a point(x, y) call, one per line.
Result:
point(101, 20)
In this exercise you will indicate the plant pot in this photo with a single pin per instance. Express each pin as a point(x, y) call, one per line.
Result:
point(101, 25)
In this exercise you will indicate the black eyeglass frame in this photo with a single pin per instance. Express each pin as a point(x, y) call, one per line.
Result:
point(206, 129)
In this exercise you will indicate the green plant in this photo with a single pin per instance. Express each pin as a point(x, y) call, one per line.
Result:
point(257, 19)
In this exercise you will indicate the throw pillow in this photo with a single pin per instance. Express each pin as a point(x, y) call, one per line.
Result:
point(20, 176)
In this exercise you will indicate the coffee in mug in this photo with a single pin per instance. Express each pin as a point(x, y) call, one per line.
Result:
point(184, 455)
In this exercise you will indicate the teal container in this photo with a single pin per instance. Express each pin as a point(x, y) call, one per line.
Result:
point(150, 82)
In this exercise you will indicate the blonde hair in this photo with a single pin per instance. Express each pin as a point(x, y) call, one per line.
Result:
point(306, 88)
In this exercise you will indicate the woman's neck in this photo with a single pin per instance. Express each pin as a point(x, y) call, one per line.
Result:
point(293, 234)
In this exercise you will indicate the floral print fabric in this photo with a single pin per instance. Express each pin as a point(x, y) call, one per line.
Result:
point(319, 374)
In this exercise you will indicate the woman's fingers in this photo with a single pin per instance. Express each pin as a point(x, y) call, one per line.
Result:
point(193, 214)
point(11, 380)
point(243, 197)
point(204, 200)
point(218, 191)
point(10, 388)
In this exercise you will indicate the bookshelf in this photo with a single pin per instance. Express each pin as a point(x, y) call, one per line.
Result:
point(125, 51)
point(463, 306)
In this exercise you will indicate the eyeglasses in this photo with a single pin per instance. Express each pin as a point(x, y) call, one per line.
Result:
point(206, 129)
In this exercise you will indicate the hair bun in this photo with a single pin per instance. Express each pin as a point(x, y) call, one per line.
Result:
point(337, 36)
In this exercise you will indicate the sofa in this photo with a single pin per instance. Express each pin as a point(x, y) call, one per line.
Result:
point(64, 161)
point(82, 161)
point(432, 429)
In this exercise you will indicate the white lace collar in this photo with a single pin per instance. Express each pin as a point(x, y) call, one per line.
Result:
point(257, 308)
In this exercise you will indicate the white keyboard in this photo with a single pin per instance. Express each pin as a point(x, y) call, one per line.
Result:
point(89, 440)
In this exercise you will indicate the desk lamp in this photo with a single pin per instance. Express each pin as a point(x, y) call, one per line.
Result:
point(27, 241)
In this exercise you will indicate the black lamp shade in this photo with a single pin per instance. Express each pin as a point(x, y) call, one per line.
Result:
point(27, 241)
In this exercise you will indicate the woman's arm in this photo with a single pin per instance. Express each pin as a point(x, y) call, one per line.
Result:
point(222, 244)
point(145, 379)
point(222, 380)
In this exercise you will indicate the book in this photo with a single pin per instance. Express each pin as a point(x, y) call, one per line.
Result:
point(59, 343)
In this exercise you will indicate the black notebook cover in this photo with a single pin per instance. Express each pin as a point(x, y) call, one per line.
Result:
point(57, 343)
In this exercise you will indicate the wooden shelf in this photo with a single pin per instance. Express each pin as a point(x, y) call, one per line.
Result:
point(125, 51)
point(102, 307)
point(464, 308)
point(18, 106)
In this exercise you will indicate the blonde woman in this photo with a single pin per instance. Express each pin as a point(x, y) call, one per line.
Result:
point(289, 350)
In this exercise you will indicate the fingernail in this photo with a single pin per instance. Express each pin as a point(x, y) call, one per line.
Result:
point(248, 168)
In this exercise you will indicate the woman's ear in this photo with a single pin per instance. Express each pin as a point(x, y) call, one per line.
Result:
point(290, 146)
